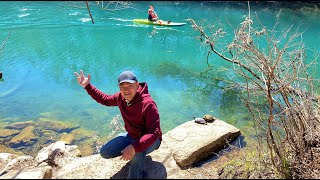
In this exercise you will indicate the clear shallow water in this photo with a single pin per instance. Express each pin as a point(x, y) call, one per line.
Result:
point(51, 40)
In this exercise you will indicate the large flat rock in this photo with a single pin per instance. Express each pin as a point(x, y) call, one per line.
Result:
point(192, 142)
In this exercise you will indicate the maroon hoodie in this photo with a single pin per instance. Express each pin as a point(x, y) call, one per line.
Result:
point(141, 116)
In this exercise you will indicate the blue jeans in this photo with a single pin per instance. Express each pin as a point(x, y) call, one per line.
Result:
point(114, 147)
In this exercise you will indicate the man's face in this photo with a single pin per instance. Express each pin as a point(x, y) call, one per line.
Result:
point(128, 90)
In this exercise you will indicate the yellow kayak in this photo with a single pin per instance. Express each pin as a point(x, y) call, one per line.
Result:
point(157, 23)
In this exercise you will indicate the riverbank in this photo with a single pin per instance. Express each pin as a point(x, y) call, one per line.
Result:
point(174, 159)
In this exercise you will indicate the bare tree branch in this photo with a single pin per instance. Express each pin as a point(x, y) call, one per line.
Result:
point(276, 76)
point(2, 46)
point(89, 12)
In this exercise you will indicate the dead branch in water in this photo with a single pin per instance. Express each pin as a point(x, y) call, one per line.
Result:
point(89, 12)
point(2, 46)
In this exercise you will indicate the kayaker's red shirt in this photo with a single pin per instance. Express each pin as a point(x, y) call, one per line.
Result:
point(141, 116)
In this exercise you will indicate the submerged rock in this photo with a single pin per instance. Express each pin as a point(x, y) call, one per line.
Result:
point(67, 138)
point(30, 136)
point(20, 125)
point(25, 138)
point(6, 149)
point(55, 125)
point(8, 132)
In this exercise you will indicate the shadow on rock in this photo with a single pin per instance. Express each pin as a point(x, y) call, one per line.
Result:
point(153, 170)
point(123, 173)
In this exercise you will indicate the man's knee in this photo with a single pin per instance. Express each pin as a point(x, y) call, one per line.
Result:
point(105, 154)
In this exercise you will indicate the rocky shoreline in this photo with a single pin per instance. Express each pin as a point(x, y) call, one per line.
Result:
point(180, 149)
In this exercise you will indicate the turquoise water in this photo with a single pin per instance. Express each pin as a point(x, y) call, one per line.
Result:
point(49, 41)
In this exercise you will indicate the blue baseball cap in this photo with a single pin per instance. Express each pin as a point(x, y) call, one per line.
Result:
point(127, 76)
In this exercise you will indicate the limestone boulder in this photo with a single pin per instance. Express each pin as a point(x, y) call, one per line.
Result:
point(5, 158)
point(18, 163)
point(40, 172)
point(192, 142)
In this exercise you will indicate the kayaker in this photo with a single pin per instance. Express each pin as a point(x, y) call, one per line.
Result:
point(141, 119)
point(153, 16)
